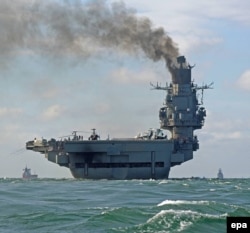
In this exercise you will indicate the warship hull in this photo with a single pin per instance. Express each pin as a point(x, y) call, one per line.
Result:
point(124, 159)
point(115, 159)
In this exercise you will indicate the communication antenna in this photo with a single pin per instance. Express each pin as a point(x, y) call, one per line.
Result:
point(202, 88)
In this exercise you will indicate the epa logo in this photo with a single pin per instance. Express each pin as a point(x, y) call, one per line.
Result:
point(238, 224)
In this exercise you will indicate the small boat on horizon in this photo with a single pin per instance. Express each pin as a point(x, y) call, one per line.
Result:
point(220, 174)
point(27, 174)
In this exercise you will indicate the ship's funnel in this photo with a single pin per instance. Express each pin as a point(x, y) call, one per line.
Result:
point(181, 59)
point(181, 73)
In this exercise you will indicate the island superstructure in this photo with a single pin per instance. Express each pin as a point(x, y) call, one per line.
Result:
point(149, 155)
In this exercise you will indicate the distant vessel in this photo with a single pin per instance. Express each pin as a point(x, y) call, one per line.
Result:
point(220, 174)
point(27, 174)
point(149, 155)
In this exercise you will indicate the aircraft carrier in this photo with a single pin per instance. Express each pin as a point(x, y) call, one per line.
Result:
point(147, 156)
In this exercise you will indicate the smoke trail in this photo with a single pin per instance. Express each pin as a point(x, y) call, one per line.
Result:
point(60, 28)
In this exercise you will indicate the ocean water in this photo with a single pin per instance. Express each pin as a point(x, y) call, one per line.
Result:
point(69, 205)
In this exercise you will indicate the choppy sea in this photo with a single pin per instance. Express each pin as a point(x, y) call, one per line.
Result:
point(69, 205)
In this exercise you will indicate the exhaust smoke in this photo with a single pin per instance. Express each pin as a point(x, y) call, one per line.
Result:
point(61, 28)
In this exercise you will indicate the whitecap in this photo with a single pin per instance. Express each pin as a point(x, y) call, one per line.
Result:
point(162, 213)
point(189, 213)
point(184, 225)
point(180, 202)
point(164, 182)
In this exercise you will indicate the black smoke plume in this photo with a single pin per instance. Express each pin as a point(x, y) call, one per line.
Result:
point(61, 28)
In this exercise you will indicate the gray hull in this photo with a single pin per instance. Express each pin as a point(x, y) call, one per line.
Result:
point(115, 159)
point(120, 159)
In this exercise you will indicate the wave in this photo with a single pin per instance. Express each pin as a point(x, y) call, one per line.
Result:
point(187, 213)
point(181, 220)
point(180, 202)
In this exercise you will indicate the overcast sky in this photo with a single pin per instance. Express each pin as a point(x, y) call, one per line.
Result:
point(44, 95)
